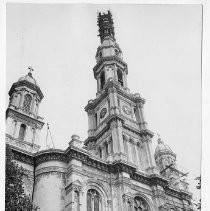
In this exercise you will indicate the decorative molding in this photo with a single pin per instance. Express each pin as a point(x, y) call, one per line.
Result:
point(41, 158)
point(112, 59)
point(84, 157)
point(21, 117)
point(74, 186)
point(27, 84)
point(23, 157)
point(50, 169)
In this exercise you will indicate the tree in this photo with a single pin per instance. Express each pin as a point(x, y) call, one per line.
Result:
point(199, 187)
point(15, 198)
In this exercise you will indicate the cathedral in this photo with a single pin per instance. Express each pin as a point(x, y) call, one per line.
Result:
point(115, 168)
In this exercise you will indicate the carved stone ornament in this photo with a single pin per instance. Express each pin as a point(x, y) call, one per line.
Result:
point(126, 109)
point(103, 113)
point(168, 207)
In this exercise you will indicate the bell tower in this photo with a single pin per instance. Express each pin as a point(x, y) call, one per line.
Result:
point(23, 124)
point(117, 127)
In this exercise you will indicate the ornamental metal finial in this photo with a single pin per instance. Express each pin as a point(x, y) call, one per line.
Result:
point(30, 71)
point(159, 139)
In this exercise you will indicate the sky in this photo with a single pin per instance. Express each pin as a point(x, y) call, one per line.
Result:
point(161, 45)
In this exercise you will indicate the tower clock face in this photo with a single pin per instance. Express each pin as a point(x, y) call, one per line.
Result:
point(103, 113)
point(126, 109)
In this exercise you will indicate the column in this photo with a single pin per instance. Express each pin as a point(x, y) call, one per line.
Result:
point(33, 105)
point(111, 98)
point(117, 136)
point(138, 115)
point(137, 155)
point(21, 98)
point(144, 124)
point(115, 73)
point(17, 101)
point(106, 74)
point(140, 158)
point(150, 152)
point(33, 135)
point(90, 122)
point(36, 137)
point(98, 85)
point(135, 160)
point(9, 126)
point(125, 79)
point(129, 152)
point(16, 131)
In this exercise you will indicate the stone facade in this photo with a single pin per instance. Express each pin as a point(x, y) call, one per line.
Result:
point(114, 169)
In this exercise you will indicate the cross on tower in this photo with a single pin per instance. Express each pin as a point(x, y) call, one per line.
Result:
point(30, 71)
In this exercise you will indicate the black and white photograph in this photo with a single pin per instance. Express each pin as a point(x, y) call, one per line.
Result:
point(103, 107)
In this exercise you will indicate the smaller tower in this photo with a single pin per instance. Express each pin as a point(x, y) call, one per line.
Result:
point(165, 160)
point(22, 120)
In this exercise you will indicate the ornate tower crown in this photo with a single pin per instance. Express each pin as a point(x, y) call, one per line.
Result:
point(106, 25)
point(23, 122)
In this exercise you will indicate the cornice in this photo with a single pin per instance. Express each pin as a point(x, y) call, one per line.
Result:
point(115, 45)
point(114, 87)
point(27, 84)
point(177, 193)
point(49, 156)
point(22, 156)
point(109, 58)
point(10, 112)
point(142, 133)
point(115, 167)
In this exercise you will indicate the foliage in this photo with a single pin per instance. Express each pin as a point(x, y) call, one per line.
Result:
point(199, 187)
point(15, 198)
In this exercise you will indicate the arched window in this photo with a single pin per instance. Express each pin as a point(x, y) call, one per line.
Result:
point(93, 200)
point(102, 79)
point(76, 200)
point(140, 204)
point(120, 76)
point(27, 103)
point(22, 131)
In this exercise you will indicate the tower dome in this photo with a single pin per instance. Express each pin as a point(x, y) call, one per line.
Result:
point(28, 78)
point(163, 149)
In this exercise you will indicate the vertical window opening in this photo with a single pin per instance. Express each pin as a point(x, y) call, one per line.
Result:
point(135, 113)
point(22, 131)
point(102, 79)
point(76, 200)
point(106, 149)
point(100, 152)
point(95, 119)
point(120, 77)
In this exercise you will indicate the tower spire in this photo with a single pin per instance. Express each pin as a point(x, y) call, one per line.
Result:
point(106, 25)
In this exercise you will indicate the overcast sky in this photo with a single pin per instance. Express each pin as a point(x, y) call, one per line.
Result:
point(161, 45)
